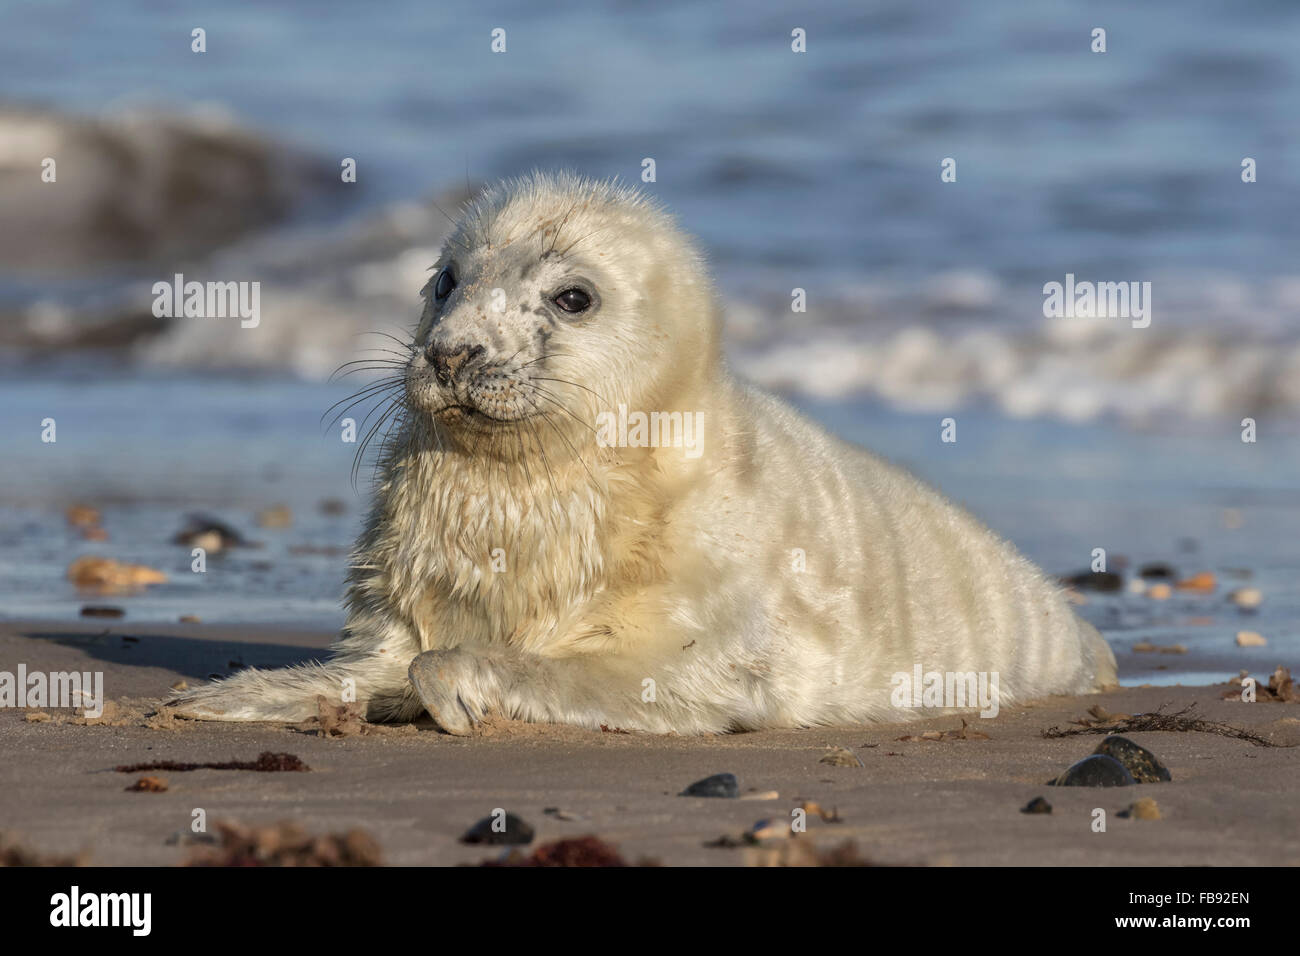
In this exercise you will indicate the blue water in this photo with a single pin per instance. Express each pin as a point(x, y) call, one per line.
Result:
point(811, 169)
point(147, 450)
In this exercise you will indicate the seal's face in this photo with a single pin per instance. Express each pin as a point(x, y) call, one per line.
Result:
point(554, 299)
point(494, 320)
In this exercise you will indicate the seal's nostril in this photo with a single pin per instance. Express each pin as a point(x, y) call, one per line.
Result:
point(448, 363)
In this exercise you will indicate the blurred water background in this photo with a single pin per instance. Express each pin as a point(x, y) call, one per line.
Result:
point(818, 171)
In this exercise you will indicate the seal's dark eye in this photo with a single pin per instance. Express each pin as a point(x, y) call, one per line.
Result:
point(446, 282)
point(573, 300)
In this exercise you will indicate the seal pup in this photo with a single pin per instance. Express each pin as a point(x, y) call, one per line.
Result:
point(582, 517)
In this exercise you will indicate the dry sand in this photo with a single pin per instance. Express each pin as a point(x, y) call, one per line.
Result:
point(416, 790)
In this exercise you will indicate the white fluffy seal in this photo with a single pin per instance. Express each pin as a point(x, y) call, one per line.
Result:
point(582, 517)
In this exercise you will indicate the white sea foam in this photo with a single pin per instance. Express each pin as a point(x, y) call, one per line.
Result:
point(1218, 347)
point(1135, 377)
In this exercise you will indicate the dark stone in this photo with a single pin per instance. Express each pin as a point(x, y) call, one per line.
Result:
point(198, 526)
point(1037, 805)
point(1098, 770)
point(1139, 761)
point(516, 831)
point(1094, 581)
point(1157, 569)
point(719, 785)
point(97, 610)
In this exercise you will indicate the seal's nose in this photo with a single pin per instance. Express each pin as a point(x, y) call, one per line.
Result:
point(448, 362)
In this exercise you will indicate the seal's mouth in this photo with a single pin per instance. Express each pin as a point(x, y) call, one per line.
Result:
point(454, 413)
point(487, 400)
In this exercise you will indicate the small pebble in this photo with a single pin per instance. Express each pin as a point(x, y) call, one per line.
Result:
point(149, 785)
point(1096, 771)
point(1157, 569)
point(82, 516)
point(728, 841)
point(97, 610)
point(1251, 639)
point(561, 814)
point(840, 757)
point(1144, 809)
point(278, 517)
point(1146, 647)
point(760, 832)
point(1094, 581)
point(827, 816)
point(211, 535)
point(1160, 592)
point(1203, 582)
point(719, 785)
point(516, 831)
point(768, 830)
point(1139, 761)
point(1137, 586)
point(1037, 805)
point(93, 573)
point(1247, 598)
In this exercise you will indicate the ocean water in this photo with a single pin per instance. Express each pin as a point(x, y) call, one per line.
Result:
point(149, 450)
point(818, 171)
point(822, 165)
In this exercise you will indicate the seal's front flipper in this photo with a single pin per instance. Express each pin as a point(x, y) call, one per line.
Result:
point(445, 681)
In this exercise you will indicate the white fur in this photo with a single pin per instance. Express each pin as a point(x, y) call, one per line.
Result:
point(628, 565)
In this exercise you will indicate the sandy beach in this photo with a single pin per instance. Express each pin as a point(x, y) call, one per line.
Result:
point(951, 801)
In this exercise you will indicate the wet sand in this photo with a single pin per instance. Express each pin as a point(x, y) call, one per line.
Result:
point(416, 791)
